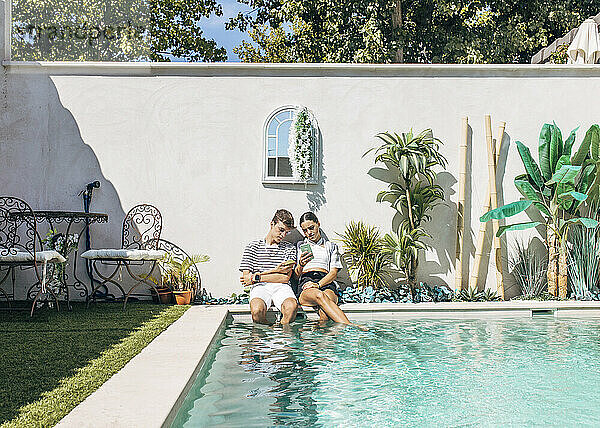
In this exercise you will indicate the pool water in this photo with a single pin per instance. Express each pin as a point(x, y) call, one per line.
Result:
point(413, 372)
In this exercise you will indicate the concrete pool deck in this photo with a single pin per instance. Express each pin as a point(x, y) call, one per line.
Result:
point(148, 391)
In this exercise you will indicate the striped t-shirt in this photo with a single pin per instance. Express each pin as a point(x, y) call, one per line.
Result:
point(260, 257)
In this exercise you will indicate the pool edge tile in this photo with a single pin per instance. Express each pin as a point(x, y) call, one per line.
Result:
point(145, 392)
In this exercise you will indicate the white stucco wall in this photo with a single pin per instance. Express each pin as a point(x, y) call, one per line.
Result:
point(188, 139)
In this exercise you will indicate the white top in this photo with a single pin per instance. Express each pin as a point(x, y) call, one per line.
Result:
point(326, 255)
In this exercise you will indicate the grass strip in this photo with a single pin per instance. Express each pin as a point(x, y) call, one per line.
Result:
point(54, 404)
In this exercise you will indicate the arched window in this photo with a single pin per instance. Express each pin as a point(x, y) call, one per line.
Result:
point(277, 167)
point(277, 137)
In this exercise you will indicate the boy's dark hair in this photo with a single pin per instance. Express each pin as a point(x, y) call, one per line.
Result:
point(283, 216)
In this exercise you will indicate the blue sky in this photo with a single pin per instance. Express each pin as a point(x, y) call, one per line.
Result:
point(214, 28)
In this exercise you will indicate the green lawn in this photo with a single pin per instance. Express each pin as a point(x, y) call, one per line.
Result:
point(53, 361)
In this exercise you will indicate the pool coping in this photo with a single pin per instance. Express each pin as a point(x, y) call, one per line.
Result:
point(142, 394)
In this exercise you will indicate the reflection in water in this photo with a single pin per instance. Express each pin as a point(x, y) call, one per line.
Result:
point(409, 372)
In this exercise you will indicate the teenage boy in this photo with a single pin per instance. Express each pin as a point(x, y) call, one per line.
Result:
point(267, 266)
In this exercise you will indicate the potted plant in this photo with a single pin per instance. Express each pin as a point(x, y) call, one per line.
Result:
point(179, 278)
point(165, 294)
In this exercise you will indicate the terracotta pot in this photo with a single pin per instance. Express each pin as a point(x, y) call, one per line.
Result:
point(183, 297)
point(165, 295)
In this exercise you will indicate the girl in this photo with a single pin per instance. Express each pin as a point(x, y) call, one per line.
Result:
point(317, 268)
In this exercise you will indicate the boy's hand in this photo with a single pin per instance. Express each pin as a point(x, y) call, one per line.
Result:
point(246, 278)
point(285, 267)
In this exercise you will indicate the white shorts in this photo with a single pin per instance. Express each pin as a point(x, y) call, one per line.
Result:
point(272, 293)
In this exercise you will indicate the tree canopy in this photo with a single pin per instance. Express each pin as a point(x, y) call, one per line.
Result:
point(384, 31)
point(113, 30)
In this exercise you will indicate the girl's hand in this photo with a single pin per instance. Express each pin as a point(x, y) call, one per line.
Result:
point(305, 257)
point(310, 285)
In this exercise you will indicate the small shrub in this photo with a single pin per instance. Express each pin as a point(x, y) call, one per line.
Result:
point(368, 263)
point(584, 261)
point(529, 269)
point(473, 295)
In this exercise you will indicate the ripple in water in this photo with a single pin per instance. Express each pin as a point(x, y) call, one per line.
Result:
point(515, 372)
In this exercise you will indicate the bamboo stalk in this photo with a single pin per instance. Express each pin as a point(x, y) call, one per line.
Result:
point(473, 282)
point(493, 196)
point(460, 220)
point(497, 240)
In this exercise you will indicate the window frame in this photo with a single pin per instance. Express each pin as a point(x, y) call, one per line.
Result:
point(286, 180)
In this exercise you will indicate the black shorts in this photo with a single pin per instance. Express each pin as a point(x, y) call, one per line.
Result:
point(314, 276)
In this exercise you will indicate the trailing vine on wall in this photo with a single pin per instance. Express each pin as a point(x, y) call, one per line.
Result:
point(302, 141)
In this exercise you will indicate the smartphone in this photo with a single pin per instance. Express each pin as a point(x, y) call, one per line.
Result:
point(305, 248)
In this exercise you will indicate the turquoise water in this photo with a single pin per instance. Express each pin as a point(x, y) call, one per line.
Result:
point(502, 372)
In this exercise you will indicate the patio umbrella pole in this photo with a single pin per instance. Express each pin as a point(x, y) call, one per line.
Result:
point(460, 214)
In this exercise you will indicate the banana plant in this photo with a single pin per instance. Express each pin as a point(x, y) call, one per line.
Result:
point(557, 188)
point(413, 193)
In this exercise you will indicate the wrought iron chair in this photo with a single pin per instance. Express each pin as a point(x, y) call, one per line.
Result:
point(141, 231)
point(21, 247)
point(180, 255)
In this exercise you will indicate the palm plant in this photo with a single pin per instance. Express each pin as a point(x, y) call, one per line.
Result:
point(557, 189)
point(368, 263)
point(176, 272)
point(412, 194)
point(529, 269)
point(403, 247)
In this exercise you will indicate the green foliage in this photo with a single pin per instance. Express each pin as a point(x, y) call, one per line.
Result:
point(560, 55)
point(413, 159)
point(412, 193)
point(519, 226)
point(175, 30)
point(472, 295)
point(584, 260)
point(413, 155)
point(559, 185)
point(176, 271)
point(384, 31)
point(403, 247)
point(119, 30)
point(364, 248)
point(505, 211)
point(529, 269)
point(52, 362)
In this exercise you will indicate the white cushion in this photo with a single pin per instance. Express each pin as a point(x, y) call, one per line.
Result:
point(124, 254)
point(48, 256)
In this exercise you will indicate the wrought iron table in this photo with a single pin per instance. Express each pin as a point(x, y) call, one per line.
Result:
point(70, 218)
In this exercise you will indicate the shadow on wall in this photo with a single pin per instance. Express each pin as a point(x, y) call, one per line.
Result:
point(48, 162)
point(442, 227)
point(316, 196)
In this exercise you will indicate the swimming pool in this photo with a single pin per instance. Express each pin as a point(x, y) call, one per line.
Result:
point(415, 372)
